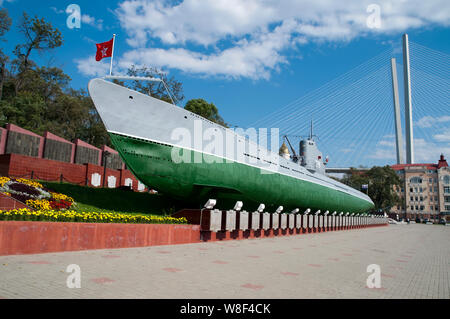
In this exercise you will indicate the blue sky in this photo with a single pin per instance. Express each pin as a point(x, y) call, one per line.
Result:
point(247, 57)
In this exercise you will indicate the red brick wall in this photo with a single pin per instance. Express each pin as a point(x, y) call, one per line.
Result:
point(21, 237)
point(8, 203)
point(127, 174)
point(3, 140)
point(44, 169)
point(16, 166)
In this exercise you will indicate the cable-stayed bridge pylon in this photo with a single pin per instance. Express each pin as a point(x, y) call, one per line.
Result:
point(354, 114)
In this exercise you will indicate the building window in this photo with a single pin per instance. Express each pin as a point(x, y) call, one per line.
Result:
point(447, 199)
point(422, 207)
point(430, 180)
point(415, 180)
point(417, 207)
point(410, 190)
point(447, 189)
point(436, 207)
point(431, 207)
point(421, 198)
point(446, 179)
point(447, 207)
point(421, 189)
point(435, 189)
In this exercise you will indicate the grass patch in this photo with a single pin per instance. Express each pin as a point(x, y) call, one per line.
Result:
point(91, 199)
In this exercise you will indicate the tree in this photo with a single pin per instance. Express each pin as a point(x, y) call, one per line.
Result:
point(156, 89)
point(5, 24)
point(207, 110)
point(49, 82)
point(381, 181)
point(26, 109)
point(39, 36)
point(72, 115)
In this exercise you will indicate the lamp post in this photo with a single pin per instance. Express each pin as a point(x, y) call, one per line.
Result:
point(105, 157)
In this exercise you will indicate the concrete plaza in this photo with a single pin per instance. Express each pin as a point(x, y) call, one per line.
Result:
point(414, 261)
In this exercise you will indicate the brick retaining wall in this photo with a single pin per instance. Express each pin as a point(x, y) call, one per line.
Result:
point(15, 166)
point(22, 237)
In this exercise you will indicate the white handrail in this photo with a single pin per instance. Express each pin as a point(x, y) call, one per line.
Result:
point(132, 78)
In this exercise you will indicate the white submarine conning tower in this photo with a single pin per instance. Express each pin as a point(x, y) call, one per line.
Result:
point(310, 157)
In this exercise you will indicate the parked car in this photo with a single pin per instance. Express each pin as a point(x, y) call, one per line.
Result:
point(418, 220)
point(442, 221)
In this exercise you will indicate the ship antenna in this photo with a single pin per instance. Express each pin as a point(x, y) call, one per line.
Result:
point(311, 135)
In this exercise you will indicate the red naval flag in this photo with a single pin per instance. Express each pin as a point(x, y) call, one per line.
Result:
point(104, 50)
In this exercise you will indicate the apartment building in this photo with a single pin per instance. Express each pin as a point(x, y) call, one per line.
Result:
point(425, 191)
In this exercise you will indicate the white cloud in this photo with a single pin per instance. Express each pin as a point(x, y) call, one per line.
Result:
point(427, 152)
point(1, 1)
point(87, 19)
point(430, 121)
point(90, 67)
point(238, 37)
point(387, 143)
point(253, 59)
point(56, 10)
point(384, 149)
point(424, 151)
point(383, 154)
point(443, 136)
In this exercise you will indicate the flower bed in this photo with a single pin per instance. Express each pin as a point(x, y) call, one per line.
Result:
point(34, 194)
point(91, 217)
point(46, 205)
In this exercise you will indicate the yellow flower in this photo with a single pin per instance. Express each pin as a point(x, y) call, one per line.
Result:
point(48, 214)
point(3, 180)
point(59, 196)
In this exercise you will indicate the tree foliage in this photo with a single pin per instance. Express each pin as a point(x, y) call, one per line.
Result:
point(39, 36)
point(5, 24)
point(207, 110)
point(381, 182)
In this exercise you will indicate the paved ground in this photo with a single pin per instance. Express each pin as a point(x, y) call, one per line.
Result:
point(414, 262)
